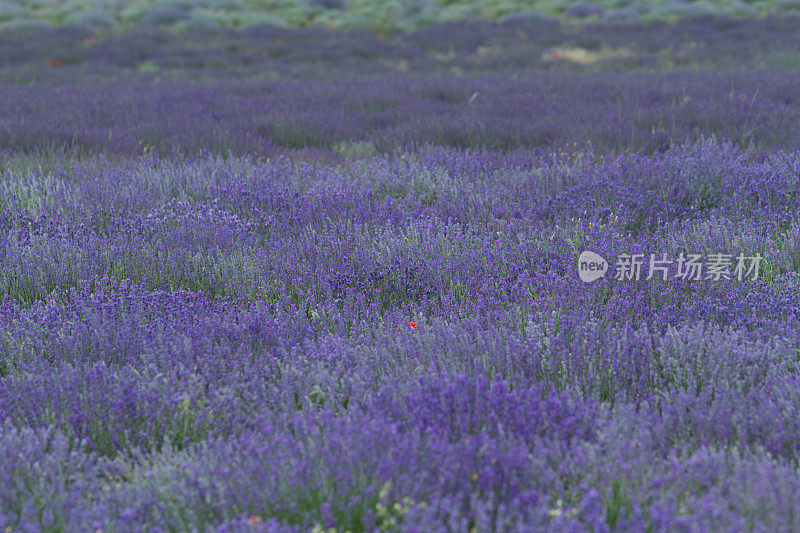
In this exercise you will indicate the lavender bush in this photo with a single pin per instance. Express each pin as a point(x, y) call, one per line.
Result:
point(398, 342)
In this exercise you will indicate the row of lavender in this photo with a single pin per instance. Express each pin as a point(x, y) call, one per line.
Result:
point(474, 46)
point(399, 342)
point(363, 116)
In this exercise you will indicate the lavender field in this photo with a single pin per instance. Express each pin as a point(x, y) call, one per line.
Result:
point(335, 287)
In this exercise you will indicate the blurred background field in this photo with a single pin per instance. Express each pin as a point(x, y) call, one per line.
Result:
point(327, 94)
point(181, 15)
point(77, 54)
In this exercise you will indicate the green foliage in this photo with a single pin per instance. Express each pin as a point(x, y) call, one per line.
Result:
point(356, 150)
point(381, 15)
point(617, 502)
point(389, 514)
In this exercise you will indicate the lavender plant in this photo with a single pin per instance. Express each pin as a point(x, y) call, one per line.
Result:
point(398, 341)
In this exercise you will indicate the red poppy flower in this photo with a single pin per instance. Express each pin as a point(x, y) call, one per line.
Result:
point(413, 324)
